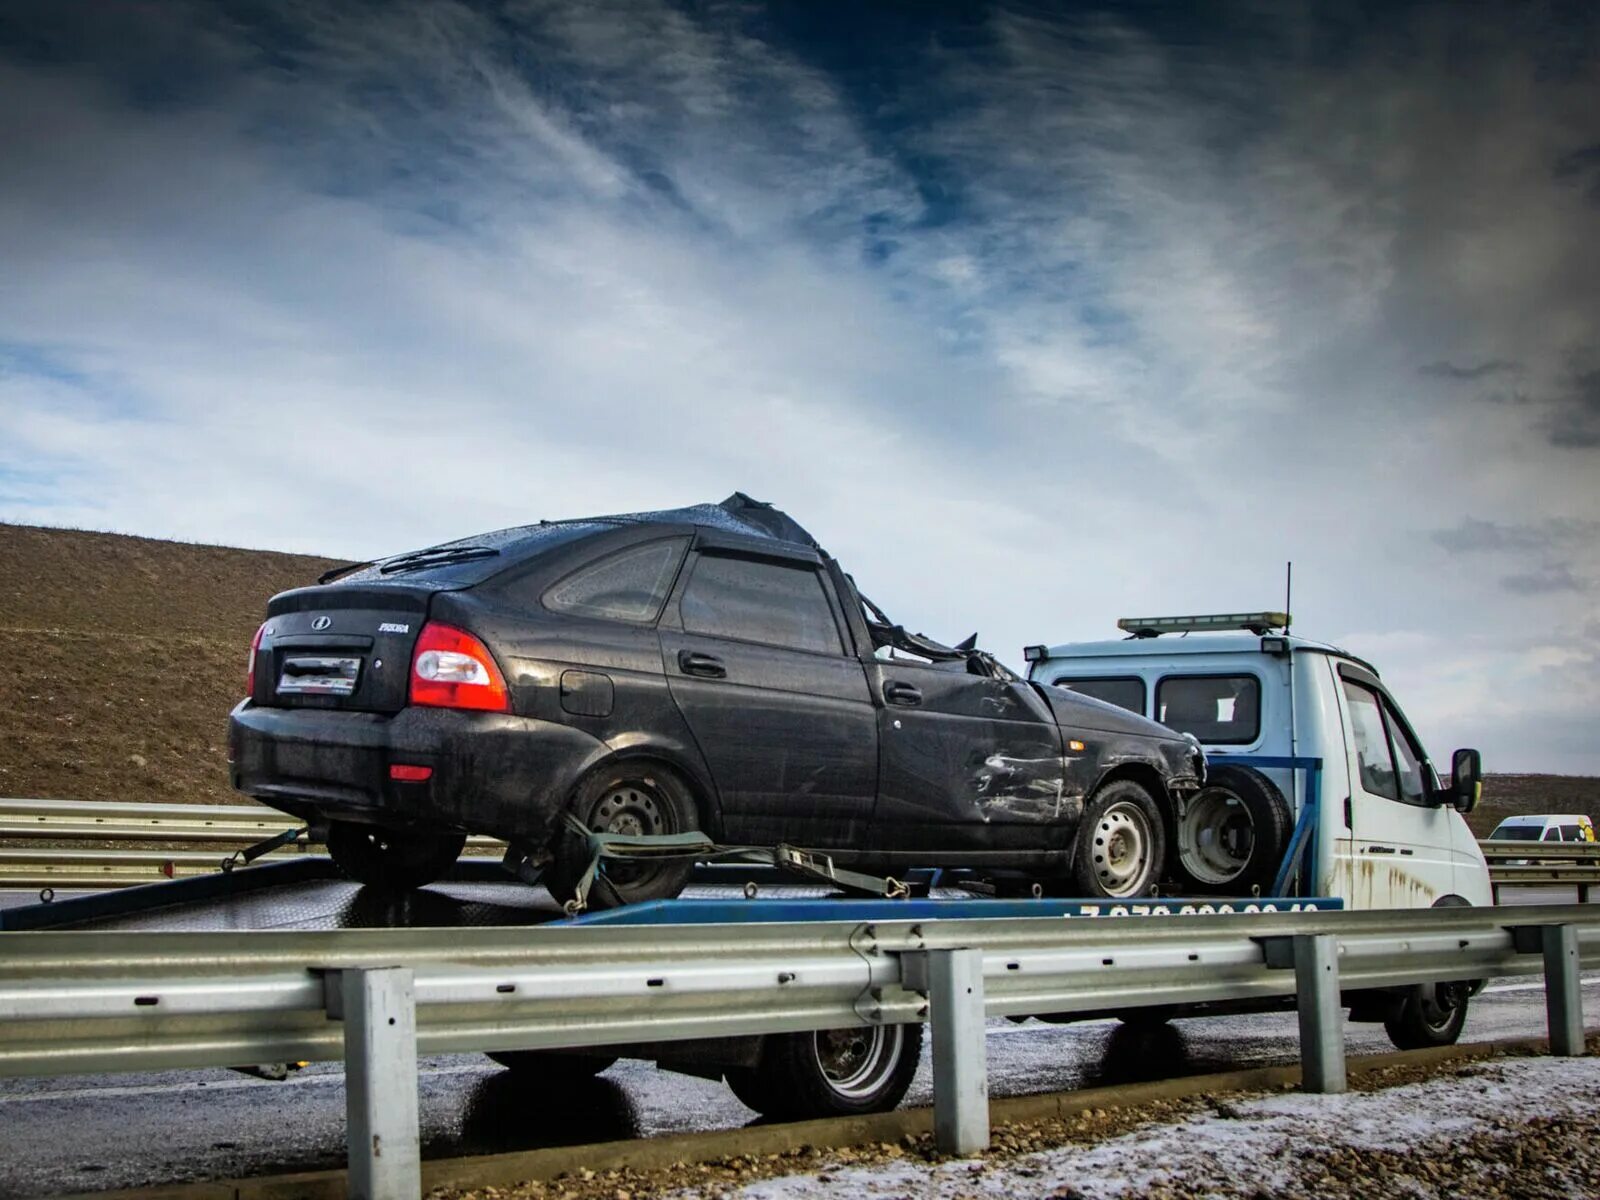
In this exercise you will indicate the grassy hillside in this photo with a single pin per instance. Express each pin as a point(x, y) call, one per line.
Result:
point(122, 657)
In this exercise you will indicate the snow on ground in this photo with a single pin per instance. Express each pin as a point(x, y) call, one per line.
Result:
point(1254, 1142)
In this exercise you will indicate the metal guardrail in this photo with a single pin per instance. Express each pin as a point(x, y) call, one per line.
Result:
point(1542, 864)
point(87, 1001)
point(220, 827)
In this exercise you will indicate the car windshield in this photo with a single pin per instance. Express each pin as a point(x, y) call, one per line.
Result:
point(1516, 833)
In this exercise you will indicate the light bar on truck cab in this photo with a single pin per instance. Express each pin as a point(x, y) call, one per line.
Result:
point(1257, 623)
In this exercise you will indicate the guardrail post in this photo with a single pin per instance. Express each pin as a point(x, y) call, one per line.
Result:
point(378, 1007)
point(1316, 980)
point(1563, 998)
point(953, 981)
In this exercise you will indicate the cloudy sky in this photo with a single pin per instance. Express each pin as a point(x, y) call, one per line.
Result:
point(1036, 314)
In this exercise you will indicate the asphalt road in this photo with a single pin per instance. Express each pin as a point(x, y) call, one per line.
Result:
point(91, 1132)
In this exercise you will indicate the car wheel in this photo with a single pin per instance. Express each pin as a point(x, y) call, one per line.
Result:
point(1122, 844)
point(830, 1073)
point(1147, 1018)
point(1232, 834)
point(636, 799)
point(1432, 1014)
point(552, 1068)
point(393, 859)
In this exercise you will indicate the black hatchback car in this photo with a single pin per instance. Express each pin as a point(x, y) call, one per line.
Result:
point(707, 668)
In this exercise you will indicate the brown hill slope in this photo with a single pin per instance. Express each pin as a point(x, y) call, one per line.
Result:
point(122, 657)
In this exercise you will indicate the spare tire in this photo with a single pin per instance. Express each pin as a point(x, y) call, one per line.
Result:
point(1232, 834)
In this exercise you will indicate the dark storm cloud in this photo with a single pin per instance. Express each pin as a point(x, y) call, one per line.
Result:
point(1483, 370)
point(1557, 577)
point(1581, 169)
point(1476, 536)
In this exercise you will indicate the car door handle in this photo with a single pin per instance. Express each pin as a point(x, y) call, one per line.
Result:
point(901, 693)
point(707, 666)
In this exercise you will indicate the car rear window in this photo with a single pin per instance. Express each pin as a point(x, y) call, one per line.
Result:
point(1125, 691)
point(760, 602)
point(630, 585)
point(483, 555)
point(1217, 709)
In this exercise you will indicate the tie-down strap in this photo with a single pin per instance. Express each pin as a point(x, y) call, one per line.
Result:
point(698, 847)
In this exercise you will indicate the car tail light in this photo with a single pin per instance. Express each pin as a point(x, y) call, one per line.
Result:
point(250, 671)
point(453, 669)
point(410, 773)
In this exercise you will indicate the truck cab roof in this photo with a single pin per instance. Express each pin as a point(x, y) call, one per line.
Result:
point(1173, 646)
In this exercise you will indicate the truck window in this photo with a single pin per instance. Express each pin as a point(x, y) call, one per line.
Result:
point(760, 602)
point(1123, 691)
point(1407, 761)
point(1552, 834)
point(1371, 742)
point(1218, 709)
point(1571, 833)
point(1515, 833)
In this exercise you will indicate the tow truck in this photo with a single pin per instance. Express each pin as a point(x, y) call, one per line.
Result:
point(1316, 782)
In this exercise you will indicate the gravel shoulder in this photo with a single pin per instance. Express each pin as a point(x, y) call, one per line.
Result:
point(1517, 1128)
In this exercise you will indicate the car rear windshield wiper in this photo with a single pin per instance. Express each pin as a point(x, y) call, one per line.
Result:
point(437, 557)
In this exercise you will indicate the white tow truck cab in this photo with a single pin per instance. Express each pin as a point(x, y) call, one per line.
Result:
point(1300, 738)
point(1316, 783)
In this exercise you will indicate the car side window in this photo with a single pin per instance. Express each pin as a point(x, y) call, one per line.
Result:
point(1125, 691)
point(1552, 834)
point(1571, 833)
point(1371, 742)
point(1408, 763)
point(630, 585)
point(759, 601)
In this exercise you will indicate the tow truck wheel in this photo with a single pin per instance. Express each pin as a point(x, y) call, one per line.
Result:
point(1232, 834)
point(390, 858)
point(830, 1073)
point(551, 1068)
point(1432, 1014)
point(627, 798)
point(1122, 844)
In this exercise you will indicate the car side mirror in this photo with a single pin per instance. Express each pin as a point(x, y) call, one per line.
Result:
point(1466, 779)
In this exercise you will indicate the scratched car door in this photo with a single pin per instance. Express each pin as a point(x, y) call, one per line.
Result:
point(966, 761)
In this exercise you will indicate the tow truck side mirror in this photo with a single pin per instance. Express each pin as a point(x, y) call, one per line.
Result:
point(1466, 779)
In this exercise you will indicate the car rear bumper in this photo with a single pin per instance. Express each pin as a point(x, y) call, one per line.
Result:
point(492, 773)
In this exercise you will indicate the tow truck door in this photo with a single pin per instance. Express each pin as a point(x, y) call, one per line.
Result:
point(1401, 838)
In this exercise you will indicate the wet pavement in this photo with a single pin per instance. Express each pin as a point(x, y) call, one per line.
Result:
point(97, 1132)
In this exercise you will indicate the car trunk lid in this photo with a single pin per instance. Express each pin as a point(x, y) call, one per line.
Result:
point(346, 646)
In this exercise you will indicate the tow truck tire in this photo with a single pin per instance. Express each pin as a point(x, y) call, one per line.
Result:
point(392, 859)
point(1232, 834)
point(639, 798)
point(1122, 844)
point(557, 1070)
point(1432, 1014)
point(830, 1073)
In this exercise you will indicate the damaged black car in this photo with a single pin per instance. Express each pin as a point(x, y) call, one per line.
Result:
point(705, 669)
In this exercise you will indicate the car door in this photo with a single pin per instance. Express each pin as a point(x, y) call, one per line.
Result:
point(968, 762)
point(756, 661)
point(1401, 838)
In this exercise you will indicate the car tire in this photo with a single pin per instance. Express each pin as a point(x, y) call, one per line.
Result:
point(392, 859)
point(1432, 1014)
point(1148, 1018)
point(553, 1069)
point(830, 1073)
point(1232, 834)
point(1122, 844)
point(632, 798)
